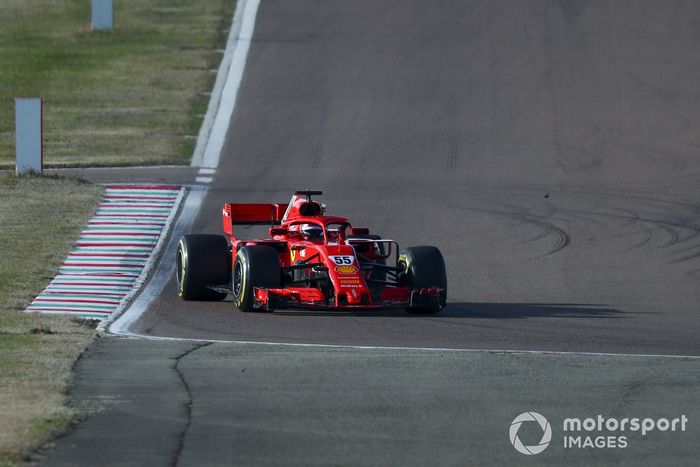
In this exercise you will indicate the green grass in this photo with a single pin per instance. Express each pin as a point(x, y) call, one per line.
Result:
point(40, 218)
point(126, 97)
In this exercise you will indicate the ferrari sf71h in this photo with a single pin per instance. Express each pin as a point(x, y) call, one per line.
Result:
point(309, 261)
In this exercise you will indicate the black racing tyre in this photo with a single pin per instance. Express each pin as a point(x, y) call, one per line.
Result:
point(376, 275)
point(202, 261)
point(424, 267)
point(255, 266)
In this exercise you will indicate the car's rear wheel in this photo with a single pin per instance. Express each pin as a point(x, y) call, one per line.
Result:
point(255, 266)
point(202, 262)
point(424, 267)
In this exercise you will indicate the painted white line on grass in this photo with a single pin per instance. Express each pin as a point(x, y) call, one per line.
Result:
point(116, 168)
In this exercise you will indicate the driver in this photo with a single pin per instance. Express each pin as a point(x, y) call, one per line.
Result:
point(312, 232)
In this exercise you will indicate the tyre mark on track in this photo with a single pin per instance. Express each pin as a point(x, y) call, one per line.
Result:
point(545, 222)
point(561, 237)
point(453, 152)
point(316, 153)
point(672, 229)
point(670, 232)
point(318, 142)
point(663, 224)
point(686, 258)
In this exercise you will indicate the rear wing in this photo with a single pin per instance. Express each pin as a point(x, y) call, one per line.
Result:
point(252, 214)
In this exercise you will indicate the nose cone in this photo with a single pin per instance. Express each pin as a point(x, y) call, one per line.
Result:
point(346, 274)
point(349, 281)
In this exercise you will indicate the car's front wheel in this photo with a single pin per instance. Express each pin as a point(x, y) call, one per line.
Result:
point(424, 267)
point(255, 266)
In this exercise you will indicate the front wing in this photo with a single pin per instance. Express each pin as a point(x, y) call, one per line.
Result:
point(314, 299)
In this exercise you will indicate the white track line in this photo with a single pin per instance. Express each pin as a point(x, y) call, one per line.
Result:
point(426, 349)
point(223, 99)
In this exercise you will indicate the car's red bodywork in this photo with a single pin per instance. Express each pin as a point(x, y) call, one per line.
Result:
point(337, 271)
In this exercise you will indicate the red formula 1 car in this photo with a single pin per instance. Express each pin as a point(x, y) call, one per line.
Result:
point(310, 261)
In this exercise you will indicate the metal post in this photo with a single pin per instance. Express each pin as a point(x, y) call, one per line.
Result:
point(29, 138)
point(102, 15)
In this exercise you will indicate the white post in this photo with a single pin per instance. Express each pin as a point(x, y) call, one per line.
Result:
point(102, 15)
point(29, 138)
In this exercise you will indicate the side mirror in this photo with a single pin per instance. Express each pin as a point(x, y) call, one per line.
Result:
point(278, 231)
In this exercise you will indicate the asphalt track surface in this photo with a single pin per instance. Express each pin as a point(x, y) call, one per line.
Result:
point(549, 149)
